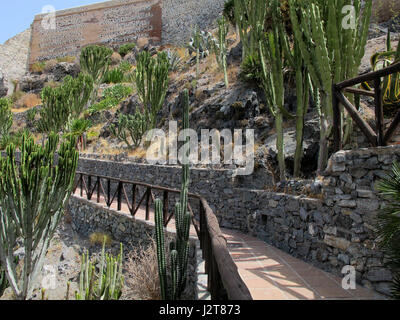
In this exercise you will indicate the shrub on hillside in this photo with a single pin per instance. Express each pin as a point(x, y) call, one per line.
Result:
point(126, 48)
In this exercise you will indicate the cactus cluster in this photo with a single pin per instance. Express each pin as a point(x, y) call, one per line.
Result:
point(6, 119)
point(32, 199)
point(152, 79)
point(250, 18)
point(331, 52)
point(63, 103)
point(95, 61)
point(130, 126)
point(172, 285)
point(105, 284)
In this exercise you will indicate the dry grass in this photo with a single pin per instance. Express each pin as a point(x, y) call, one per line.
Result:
point(142, 267)
point(28, 101)
point(50, 64)
point(383, 10)
point(99, 238)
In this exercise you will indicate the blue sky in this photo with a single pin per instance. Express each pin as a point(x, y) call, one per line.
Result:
point(17, 15)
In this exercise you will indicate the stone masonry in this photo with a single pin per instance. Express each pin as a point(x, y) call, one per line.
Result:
point(120, 21)
point(330, 229)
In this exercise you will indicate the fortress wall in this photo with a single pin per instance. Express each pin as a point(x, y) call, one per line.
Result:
point(113, 23)
point(110, 23)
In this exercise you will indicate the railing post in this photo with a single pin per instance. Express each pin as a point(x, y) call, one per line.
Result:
point(82, 185)
point(337, 119)
point(165, 207)
point(89, 188)
point(98, 189)
point(379, 111)
point(148, 193)
point(119, 196)
point(133, 198)
point(108, 192)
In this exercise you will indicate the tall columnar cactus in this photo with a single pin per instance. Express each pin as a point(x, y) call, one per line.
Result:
point(272, 49)
point(32, 199)
point(173, 285)
point(3, 281)
point(107, 284)
point(64, 103)
point(151, 78)
point(331, 48)
point(250, 16)
point(6, 118)
point(220, 46)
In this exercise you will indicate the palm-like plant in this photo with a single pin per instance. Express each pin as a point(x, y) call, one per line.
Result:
point(388, 225)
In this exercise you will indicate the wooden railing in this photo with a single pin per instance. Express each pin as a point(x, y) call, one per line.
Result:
point(376, 137)
point(224, 281)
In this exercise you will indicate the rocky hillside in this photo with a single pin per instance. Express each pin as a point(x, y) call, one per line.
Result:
point(14, 58)
point(212, 106)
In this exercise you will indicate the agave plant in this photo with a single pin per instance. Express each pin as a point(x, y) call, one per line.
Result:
point(391, 83)
point(388, 225)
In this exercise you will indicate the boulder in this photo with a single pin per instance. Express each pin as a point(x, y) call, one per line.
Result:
point(63, 69)
point(33, 82)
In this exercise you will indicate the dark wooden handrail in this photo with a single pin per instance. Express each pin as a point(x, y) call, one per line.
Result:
point(376, 137)
point(224, 281)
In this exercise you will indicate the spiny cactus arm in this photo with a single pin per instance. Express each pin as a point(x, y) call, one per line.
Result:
point(302, 35)
point(160, 241)
point(362, 37)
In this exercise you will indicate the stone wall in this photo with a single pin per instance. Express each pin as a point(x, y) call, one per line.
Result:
point(117, 22)
point(110, 23)
point(337, 228)
point(332, 228)
point(179, 16)
point(88, 217)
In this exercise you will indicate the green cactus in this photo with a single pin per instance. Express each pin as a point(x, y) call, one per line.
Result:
point(391, 83)
point(200, 43)
point(133, 126)
point(95, 61)
point(64, 103)
point(250, 17)
point(151, 78)
point(32, 199)
point(6, 118)
point(272, 60)
point(3, 281)
point(107, 284)
point(330, 52)
point(179, 248)
point(220, 47)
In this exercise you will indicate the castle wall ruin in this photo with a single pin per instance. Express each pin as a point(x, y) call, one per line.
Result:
point(113, 23)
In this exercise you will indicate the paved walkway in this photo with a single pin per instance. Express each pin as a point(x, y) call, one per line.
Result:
point(271, 274)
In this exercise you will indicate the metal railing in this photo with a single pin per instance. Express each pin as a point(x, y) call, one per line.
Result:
point(224, 281)
point(376, 137)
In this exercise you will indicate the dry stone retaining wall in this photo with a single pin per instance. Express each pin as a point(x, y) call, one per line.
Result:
point(330, 230)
